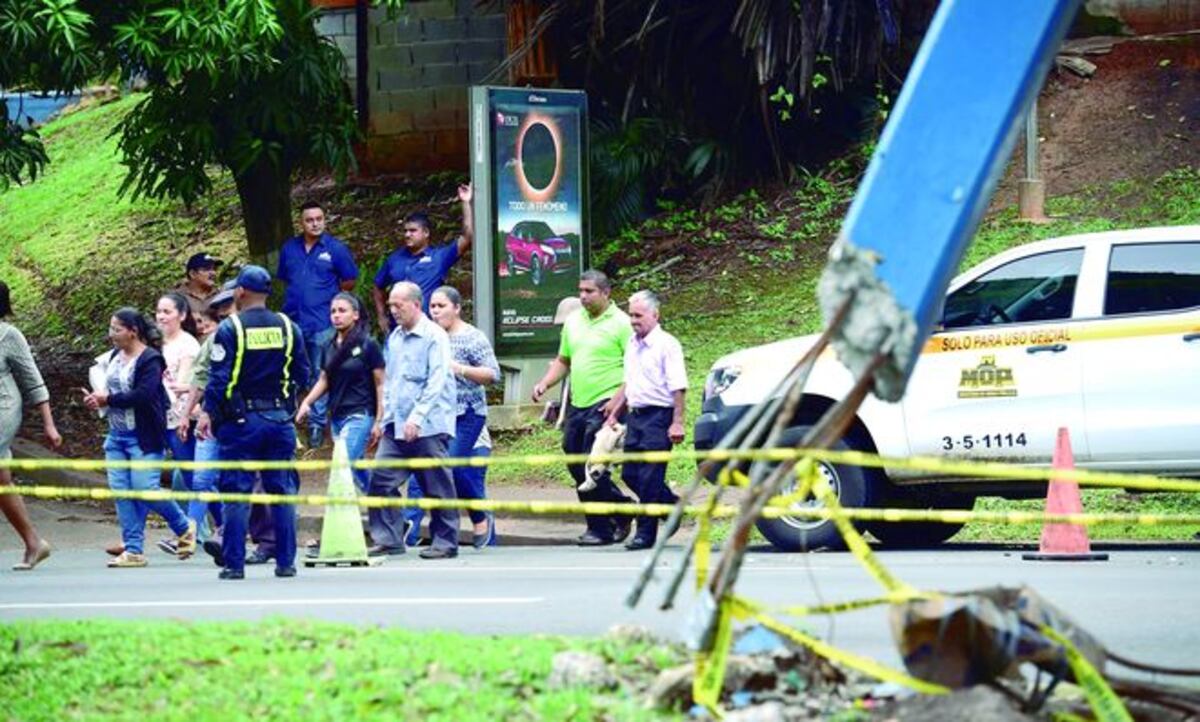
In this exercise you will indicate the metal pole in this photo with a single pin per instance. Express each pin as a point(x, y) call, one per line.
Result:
point(1031, 142)
point(1031, 190)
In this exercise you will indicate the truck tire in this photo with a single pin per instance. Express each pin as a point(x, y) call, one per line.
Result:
point(853, 489)
point(915, 535)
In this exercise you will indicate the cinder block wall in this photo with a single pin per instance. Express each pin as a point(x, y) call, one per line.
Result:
point(421, 65)
point(338, 26)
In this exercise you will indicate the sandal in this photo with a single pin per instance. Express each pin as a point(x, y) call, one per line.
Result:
point(39, 555)
point(127, 560)
point(185, 543)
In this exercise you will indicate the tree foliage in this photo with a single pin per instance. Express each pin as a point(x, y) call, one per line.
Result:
point(245, 84)
point(737, 89)
point(47, 46)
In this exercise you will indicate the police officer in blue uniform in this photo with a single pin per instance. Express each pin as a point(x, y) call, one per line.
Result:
point(258, 362)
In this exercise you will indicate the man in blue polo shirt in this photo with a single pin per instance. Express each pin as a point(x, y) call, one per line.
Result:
point(315, 266)
point(419, 262)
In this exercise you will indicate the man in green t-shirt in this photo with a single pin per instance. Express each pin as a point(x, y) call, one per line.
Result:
point(592, 351)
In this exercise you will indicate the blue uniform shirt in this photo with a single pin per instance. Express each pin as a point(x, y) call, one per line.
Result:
point(266, 371)
point(419, 386)
point(427, 269)
point(313, 278)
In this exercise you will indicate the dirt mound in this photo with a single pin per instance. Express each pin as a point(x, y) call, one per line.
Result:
point(1138, 116)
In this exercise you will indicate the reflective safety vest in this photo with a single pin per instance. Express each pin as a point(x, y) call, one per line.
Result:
point(262, 338)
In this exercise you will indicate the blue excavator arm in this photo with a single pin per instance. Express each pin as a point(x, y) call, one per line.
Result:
point(937, 162)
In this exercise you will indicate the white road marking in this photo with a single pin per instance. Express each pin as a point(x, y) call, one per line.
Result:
point(328, 602)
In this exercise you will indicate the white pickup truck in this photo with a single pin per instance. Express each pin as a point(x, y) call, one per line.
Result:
point(1099, 333)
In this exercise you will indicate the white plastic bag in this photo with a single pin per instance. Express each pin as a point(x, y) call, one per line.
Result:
point(98, 377)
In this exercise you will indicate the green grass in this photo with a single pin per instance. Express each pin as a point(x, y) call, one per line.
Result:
point(1095, 501)
point(289, 670)
point(73, 251)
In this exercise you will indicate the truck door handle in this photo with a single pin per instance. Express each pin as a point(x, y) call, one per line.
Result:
point(1051, 347)
point(1189, 337)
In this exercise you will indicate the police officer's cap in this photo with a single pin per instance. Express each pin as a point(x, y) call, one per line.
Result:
point(254, 279)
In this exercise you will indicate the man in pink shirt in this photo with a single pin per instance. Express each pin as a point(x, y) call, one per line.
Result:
point(653, 393)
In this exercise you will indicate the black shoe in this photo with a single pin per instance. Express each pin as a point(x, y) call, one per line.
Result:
point(438, 553)
point(382, 551)
point(622, 525)
point(591, 539)
point(212, 547)
point(231, 574)
point(258, 556)
point(639, 543)
point(479, 541)
point(285, 571)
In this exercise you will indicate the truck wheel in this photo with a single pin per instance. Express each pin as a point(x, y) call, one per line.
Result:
point(791, 534)
point(917, 534)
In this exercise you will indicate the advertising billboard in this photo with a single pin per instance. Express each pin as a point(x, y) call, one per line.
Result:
point(535, 156)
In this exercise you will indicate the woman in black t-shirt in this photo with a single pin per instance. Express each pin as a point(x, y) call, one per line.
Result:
point(352, 374)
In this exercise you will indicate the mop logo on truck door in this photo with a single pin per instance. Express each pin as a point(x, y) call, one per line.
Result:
point(987, 381)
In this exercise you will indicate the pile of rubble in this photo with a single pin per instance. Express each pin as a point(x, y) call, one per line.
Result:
point(771, 679)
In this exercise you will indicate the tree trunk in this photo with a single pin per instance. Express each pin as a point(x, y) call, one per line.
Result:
point(265, 191)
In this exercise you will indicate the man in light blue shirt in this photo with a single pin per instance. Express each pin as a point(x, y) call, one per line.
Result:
point(417, 422)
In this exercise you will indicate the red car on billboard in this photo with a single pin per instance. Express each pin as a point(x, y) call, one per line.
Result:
point(533, 247)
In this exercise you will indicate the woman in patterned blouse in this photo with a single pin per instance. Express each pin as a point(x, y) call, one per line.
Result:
point(474, 366)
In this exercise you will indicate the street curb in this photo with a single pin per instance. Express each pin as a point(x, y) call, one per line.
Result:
point(305, 524)
point(25, 449)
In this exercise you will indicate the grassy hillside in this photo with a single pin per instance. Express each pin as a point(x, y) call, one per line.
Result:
point(73, 251)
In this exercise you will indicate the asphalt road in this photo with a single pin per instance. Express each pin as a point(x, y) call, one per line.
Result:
point(1143, 604)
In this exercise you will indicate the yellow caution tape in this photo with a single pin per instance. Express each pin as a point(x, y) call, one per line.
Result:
point(1105, 703)
point(853, 605)
point(703, 551)
point(743, 609)
point(804, 470)
point(710, 666)
point(941, 466)
point(705, 514)
point(854, 541)
point(630, 509)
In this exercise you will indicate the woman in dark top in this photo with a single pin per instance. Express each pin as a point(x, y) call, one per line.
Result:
point(137, 425)
point(352, 373)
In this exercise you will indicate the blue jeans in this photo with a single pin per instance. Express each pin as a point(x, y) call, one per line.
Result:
point(182, 451)
point(357, 431)
point(312, 348)
point(266, 436)
point(205, 480)
point(468, 480)
point(123, 446)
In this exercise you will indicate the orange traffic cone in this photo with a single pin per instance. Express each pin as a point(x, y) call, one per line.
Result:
point(1064, 542)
